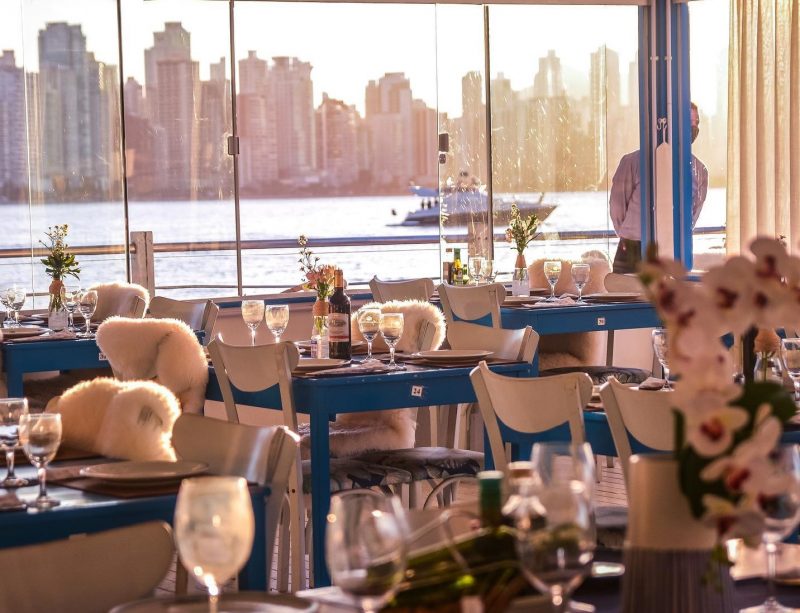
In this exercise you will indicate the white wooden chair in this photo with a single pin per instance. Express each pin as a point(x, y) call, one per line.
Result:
point(87, 573)
point(411, 289)
point(471, 303)
point(260, 455)
point(529, 406)
point(647, 416)
point(197, 315)
point(617, 282)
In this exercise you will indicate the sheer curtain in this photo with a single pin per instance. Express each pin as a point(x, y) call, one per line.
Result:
point(763, 196)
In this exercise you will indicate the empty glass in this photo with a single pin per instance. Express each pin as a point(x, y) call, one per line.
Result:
point(253, 315)
point(11, 409)
point(366, 546)
point(791, 360)
point(476, 268)
point(87, 304)
point(580, 277)
point(662, 352)
point(70, 297)
point(369, 321)
point(391, 326)
point(556, 462)
point(40, 436)
point(552, 272)
point(214, 529)
point(15, 296)
point(277, 318)
point(488, 273)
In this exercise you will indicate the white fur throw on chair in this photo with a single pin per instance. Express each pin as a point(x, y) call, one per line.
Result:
point(163, 350)
point(127, 420)
point(414, 313)
point(119, 299)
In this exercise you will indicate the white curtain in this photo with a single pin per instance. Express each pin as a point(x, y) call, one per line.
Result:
point(764, 122)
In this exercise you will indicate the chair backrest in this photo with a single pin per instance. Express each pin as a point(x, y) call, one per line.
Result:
point(255, 368)
point(529, 405)
point(471, 303)
point(647, 415)
point(411, 289)
point(190, 313)
point(505, 344)
point(616, 282)
point(124, 299)
point(86, 574)
point(164, 350)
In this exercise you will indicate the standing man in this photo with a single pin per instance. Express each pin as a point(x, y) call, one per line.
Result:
point(626, 203)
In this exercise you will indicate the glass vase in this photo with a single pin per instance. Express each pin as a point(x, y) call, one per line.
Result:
point(768, 368)
point(56, 312)
point(319, 329)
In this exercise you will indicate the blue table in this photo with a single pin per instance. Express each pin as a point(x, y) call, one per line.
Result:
point(323, 397)
point(582, 318)
point(83, 512)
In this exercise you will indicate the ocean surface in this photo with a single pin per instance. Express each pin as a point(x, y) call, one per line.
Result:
point(213, 273)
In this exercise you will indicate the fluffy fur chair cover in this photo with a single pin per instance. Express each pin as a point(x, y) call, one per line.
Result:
point(128, 420)
point(163, 350)
point(580, 348)
point(354, 433)
point(119, 299)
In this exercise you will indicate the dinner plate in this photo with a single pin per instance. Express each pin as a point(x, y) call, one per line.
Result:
point(144, 472)
point(453, 355)
point(309, 364)
point(615, 297)
point(521, 299)
point(23, 332)
point(240, 601)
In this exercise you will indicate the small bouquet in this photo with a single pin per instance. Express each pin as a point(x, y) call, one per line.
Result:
point(59, 263)
point(521, 231)
point(319, 277)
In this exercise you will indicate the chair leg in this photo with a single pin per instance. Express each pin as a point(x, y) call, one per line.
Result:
point(284, 549)
point(414, 495)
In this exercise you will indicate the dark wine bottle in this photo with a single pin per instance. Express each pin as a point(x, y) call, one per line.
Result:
point(339, 320)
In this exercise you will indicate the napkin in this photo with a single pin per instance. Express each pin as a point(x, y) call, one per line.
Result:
point(652, 383)
point(563, 300)
point(352, 369)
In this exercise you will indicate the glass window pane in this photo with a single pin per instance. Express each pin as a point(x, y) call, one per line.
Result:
point(177, 120)
point(335, 123)
point(564, 113)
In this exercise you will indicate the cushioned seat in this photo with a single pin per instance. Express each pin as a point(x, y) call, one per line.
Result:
point(601, 374)
point(429, 462)
point(347, 474)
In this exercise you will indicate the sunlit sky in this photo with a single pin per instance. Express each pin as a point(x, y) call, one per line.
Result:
point(349, 44)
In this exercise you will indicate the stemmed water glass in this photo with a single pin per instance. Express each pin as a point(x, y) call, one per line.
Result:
point(277, 318)
point(11, 409)
point(781, 514)
point(487, 271)
point(14, 300)
point(476, 268)
point(552, 271)
point(662, 353)
point(391, 327)
point(40, 435)
point(70, 297)
point(214, 530)
point(557, 462)
point(369, 320)
point(87, 304)
point(580, 277)
point(366, 547)
point(253, 315)
point(791, 359)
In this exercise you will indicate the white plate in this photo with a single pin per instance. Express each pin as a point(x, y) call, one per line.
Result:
point(318, 363)
point(242, 601)
point(450, 355)
point(615, 297)
point(23, 332)
point(141, 472)
point(521, 299)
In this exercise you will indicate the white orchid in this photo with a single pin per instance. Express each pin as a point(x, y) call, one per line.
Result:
point(742, 520)
point(730, 288)
point(711, 432)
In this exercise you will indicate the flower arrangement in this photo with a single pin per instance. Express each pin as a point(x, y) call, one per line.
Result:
point(521, 230)
point(319, 277)
point(59, 263)
point(725, 433)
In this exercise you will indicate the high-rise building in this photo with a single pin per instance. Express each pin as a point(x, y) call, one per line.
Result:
point(426, 144)
point(134, 97)
point(471, 144)
point(13, 166)
point(606, 114)
point(337, 140)
point(174, 43)
point(258, 141)
point(505, 137)
point(390, 122)
point(290, 80)
point(216, 168)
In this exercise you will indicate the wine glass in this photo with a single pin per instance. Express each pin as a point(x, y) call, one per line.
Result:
point(15, 300)
point(214, 530)
point(488, 272)
point(781, 513)
point(555, 540)
point(277, 317)
point(369, 320)
point(4, 301)
point(552, 271)
point(791, 359)
point(87, 304)
point(476, 268)
point(580, 277)
point(366, 547)
point(253, 315)
point(11, 409)
point(558, 462)
point(662, 352)
point(391, 327)
point(40, 435)
point(70, 297)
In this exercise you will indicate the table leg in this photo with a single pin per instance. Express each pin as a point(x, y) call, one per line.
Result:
point(320, 494)
point(14, 382)
point(254, 575)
